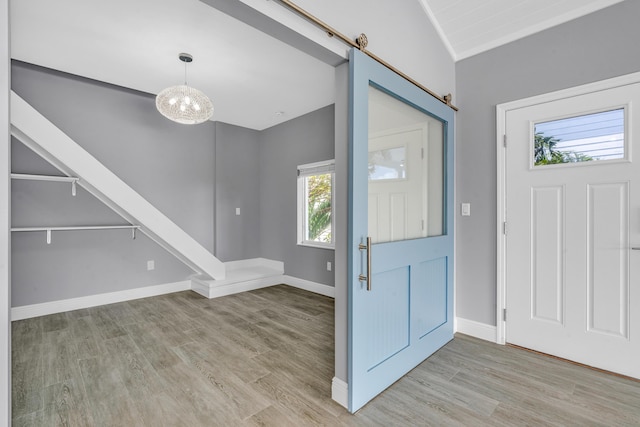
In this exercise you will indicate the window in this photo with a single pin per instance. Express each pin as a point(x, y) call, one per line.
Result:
point(587, 138)
point(315, 204)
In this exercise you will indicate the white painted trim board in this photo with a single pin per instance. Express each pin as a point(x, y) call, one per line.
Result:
point(476, 329)
point(52, 307)
point(537, 28)
point(340, 392)
point(308, 285)
point(299, 25)
point(43, 309)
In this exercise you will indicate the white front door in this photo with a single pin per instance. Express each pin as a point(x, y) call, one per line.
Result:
point(397, 175)
point(572, 274)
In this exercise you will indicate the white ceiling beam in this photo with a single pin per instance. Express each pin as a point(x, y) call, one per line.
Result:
point(280, 23)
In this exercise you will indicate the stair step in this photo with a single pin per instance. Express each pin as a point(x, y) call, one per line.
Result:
point(240, 276)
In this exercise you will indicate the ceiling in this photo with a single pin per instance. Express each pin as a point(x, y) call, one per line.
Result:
point(254, 80)
point(469, 27)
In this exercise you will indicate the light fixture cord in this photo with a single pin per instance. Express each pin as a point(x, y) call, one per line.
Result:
point(185, 73)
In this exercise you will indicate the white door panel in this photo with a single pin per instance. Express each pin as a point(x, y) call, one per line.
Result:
point(573, 282)
point(547, 253)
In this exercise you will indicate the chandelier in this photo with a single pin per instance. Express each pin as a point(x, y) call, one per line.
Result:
point(182, 103)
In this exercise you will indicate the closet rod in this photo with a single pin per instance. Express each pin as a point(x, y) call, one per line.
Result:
point(48, 230)
point(88, 227)
point(44, 177)
point(72, 179)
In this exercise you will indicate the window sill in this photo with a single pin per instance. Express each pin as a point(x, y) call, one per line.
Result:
point(317, 245)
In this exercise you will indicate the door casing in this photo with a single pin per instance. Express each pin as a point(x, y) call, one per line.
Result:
point(501, 144)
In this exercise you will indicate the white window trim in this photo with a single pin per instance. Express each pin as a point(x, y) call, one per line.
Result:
point(309, 169)
point(626, 144)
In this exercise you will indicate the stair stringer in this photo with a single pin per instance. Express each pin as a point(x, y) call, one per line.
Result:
point(43, 137)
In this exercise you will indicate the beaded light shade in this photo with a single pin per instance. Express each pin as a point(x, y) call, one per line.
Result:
point(182, 103)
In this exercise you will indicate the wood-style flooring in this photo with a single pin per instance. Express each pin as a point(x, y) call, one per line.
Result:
point(265, 358)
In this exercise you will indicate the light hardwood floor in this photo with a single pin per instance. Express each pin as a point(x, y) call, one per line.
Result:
point(265, 358)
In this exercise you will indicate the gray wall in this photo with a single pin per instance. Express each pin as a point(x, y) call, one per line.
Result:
point(162, 160)
point(237, 186)
point(168, 164)
point(306, 139)
point(595, 47)
point(77, 263)
point(196, 175)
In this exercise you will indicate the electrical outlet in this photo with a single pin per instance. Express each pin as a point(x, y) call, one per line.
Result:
point(328, 265)
point(237, 211)
point(151, 264)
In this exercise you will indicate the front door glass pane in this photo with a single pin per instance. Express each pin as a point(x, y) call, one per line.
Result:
point(406, 171)
point(585, 138)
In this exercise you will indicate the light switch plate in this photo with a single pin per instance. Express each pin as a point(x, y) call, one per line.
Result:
point(465, 209)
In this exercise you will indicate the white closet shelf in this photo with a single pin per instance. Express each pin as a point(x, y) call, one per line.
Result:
point(82, 227)
point(51, 178)
point(49, 230)
point(44, 177)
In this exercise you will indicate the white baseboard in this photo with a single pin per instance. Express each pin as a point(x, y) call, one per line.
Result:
point(206, 288)
point(42, 309)
point(476, 329)
point(307, 285)
point(340, 392)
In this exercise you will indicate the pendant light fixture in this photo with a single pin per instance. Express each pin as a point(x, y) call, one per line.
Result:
point(182, 103)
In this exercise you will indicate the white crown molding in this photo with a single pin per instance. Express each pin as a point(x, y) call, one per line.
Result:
point(536, 28)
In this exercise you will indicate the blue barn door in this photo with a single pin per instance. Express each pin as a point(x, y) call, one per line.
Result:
point(400, 227)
